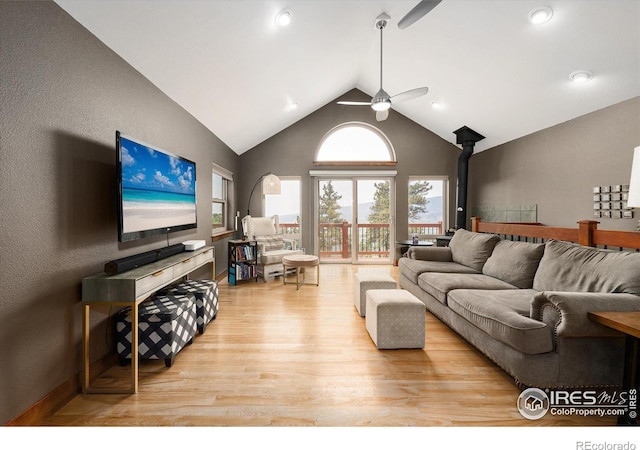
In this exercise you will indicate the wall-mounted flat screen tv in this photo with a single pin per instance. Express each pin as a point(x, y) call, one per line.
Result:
point(156, 190)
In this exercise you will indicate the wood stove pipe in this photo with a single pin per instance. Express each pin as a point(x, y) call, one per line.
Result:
point(467, 138)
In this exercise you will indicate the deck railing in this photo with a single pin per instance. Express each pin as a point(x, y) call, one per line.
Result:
point(373, 238)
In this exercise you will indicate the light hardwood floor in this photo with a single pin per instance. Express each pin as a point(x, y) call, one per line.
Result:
point(278, 356)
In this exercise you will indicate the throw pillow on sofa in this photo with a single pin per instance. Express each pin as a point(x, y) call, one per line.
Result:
point(514, 262)
point(472, 249)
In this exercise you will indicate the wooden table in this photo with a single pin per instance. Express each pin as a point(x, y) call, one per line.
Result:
point(129, 289)
point(629, 324)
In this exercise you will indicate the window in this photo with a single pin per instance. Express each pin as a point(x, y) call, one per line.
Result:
point(427, 205)
point(220, 180)
point(355, 142)
point(287, 207)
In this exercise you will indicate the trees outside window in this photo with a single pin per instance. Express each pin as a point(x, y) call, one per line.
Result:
point(329, 211)
point(427, 205)
point(379, 213)
point(219, 203)
point(329, 204)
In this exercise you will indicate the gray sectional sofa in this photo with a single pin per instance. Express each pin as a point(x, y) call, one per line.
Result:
point(525, 305)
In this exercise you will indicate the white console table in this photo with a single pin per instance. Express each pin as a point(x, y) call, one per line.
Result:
point(130, 288)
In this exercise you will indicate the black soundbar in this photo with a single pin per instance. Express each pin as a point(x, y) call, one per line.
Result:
point(131, 262)
point(170, 251)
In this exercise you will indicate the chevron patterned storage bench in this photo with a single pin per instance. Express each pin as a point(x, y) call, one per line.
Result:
point(166, 323)
point(395, 319)
point(206, 293)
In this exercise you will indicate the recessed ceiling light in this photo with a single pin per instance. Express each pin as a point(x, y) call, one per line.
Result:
point(291, 106)
point(283, 18)
point(436, 105)
point(581, 76)
point(540, 15)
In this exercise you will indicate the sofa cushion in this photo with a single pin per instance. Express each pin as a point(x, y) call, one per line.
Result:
point(440, 284)
point(514, 262)
point(412, 268)
point(269, 243)
point(571, 267)
point(504, 315)
point(472, 249)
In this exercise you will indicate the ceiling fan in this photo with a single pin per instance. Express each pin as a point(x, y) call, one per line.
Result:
point(381, 102)
point(418, 11)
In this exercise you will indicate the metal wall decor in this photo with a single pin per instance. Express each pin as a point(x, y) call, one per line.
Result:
point(610, 202)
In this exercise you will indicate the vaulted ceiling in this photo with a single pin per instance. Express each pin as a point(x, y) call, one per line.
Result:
point(486, 66)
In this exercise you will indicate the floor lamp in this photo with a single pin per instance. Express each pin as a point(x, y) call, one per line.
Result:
point(633, 200)
point(270, 186)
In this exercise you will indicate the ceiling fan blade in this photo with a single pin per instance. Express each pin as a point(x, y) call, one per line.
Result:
point(354, 103)
point(410, 94)
point(382, 115)
point(417, 13)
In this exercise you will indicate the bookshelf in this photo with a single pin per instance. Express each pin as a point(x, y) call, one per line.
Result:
point(243, 261)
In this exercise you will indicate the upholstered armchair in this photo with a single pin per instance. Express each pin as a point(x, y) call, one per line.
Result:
point(272, 246)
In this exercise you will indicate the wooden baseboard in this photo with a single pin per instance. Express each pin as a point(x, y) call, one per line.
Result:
point(63, 394)
point(221, 276)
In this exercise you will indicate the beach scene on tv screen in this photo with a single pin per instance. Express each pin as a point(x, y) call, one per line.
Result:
point(158, 189)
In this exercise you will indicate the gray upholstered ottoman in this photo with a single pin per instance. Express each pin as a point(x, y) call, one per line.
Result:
point(395, 319)
point(166, 323)
point(206, 293)
point(363, 281)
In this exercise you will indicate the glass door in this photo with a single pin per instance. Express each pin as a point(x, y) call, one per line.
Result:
point(354, 220)
point(335, 219)
point(374, 233)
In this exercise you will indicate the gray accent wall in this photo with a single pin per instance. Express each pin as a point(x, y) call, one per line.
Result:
point(292, 152)
point(63, 95)
point(557, 168)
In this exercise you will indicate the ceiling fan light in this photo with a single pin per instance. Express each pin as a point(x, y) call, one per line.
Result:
point(540, 15)
point(380, 105)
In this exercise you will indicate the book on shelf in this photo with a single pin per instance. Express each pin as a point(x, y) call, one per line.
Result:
point(244, 252)
point(243, 271)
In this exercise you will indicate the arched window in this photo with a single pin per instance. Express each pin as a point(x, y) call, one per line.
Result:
point(355, 143)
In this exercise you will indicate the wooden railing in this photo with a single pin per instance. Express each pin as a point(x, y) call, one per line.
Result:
point(586, 233)
point(426, 228)
point(373, 238)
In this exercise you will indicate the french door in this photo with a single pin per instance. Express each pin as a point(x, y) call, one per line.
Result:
point(354, 219)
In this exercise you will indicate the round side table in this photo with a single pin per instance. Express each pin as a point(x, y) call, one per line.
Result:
point(299, 262)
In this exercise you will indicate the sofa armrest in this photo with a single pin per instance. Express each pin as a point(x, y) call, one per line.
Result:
point(567, 312)
point(430, 253)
